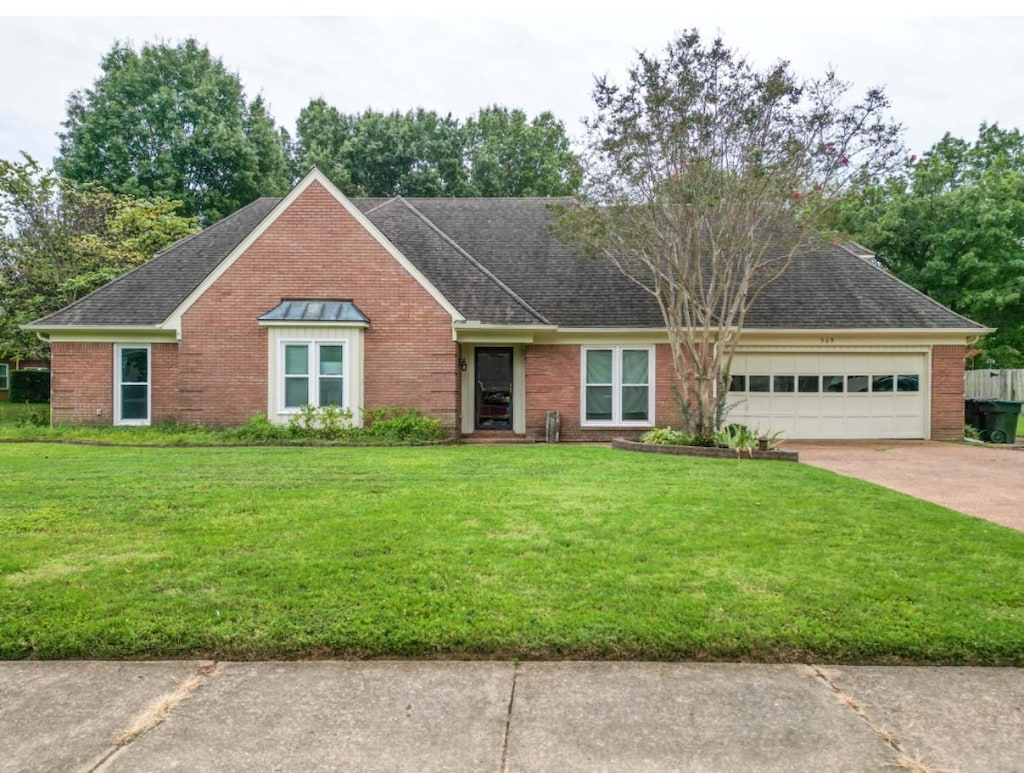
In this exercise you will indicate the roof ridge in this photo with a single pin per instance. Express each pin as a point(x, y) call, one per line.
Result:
point(382, 204)
point(474, 262)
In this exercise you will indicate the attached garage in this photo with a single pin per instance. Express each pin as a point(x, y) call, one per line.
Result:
point(832, 395)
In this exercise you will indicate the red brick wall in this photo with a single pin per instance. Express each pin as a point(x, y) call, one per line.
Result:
point(553, 384)
point(163, 380)
point(315, 249)
point(948, 392)
point(82, 383)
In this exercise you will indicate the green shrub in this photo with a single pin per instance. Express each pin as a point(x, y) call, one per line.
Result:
point(396, 423)
point(666, 436)
point(328, 423)
point(738, 437)
point(30, 386)
point(259, 429)
point(33, 416)
point(705, 440)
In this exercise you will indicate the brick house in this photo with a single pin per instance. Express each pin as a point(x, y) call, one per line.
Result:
point(469, 310)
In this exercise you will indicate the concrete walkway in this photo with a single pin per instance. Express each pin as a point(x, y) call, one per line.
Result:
point(496, 716)
point(984, 481)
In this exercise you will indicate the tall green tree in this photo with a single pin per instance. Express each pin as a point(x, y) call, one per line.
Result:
point(417, 153)
point(498, 152)
point(173, 122)
point(704, 177)
point(952, 225)
point(58, 243)
point(321, 134)
point(509, 155)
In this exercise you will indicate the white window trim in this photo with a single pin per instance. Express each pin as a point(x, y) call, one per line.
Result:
point(616, 420)
point(5, 375)
point(313, 347)
point(118, 421)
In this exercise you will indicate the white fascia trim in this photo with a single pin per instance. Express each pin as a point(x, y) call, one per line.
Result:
point(314, 176)
point(107, 334)
point(477, 332)
point(747, 331)
point(889, 331)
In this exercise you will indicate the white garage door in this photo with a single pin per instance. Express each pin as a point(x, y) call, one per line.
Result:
point(818, 396)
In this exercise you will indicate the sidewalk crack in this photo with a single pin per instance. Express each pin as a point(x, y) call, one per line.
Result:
point(508, 718)
point(157, 713)
point(903, 760)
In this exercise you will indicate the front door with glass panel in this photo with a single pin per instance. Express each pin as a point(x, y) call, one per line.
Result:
point(494, 387)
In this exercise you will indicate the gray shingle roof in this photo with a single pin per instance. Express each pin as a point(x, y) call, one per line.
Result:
point(497, 263)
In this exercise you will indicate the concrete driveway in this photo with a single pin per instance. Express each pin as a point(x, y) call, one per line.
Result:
point(984, 481)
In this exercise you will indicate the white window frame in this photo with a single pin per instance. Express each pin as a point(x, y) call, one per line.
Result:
point(313, 388)
point(5, 377)
point(617, 385)
point(118, 420)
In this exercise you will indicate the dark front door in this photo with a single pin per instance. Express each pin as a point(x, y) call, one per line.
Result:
point(494, 387)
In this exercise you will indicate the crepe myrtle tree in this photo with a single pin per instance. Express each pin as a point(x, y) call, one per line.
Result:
point(704, 177)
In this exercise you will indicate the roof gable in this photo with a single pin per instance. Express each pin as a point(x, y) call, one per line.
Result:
point(315, 177)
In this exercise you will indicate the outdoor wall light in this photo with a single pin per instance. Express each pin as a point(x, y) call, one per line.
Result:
point(463, 365)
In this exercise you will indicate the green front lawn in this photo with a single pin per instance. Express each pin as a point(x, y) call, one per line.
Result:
point(528, 551)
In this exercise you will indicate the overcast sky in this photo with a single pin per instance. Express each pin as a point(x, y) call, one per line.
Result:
point(942, 74)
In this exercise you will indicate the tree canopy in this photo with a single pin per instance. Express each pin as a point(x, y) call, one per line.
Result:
point(497, 152)
point(952, 226)
point(59, 243)
point(172, 122)
point(704, 177)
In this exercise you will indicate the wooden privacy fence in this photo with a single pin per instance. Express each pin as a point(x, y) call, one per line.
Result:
point(1004, 384)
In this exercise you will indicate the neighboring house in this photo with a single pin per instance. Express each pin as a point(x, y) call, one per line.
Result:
point(9, 366)
point(469, 310)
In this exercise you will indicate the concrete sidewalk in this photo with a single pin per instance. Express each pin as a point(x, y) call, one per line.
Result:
point(496, 716)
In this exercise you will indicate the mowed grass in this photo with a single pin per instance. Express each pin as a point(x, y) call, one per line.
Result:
point(461, 551)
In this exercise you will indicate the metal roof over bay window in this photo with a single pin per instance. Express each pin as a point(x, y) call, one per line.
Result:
point(316, 311)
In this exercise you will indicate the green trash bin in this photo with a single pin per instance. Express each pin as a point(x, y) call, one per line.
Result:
point(999, 420)
point(972, 414)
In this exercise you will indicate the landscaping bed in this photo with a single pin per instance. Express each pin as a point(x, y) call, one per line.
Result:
point(707, 452)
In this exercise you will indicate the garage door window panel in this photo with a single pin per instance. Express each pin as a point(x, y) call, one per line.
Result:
point(808, 384)
point(760, 383)
point(785, 384)
point(908, 383)
point(857, 384)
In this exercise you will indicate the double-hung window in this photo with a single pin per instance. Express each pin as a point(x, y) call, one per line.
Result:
point(617, 387)
point(314, 374)
point(4, 382)
point(131, 384)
